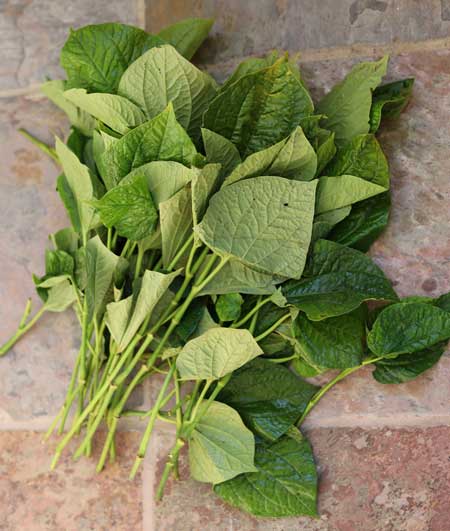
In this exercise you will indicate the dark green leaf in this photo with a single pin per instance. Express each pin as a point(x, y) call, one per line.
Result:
point(389, 100)
point(58, 263)
point(339, 280)
point(187, 35)
point(268, 397)
point(228, 306)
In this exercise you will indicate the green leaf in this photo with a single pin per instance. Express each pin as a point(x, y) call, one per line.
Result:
point(82, 121)
point(220, 150)
point(162, 138)
point(176, 224)
point(347, 105)
point(216, 353)
point(408, 327)
point(164, 178)
point(443, 302)
point(335, 343)
point(58, 263)
point(114, 111)
point(100, 266)
point(406, 367)
point(65, 240)
point(344, 190)
point(125, 317)
point(365, 223)
point(129, 208)
point(228, 306)
point(293, 157)
point(323, 223)
point(220, 447)
point(389, 100)
point(161, 76)
point(268, 397)
point(260, 108)
point(339, 280)
point(187, 35)
point(204, 184)
point(265, 222)
point(285, 484)
point(95, 57)
point(60, 297)
point(362, 157)
point(236, 277)
point(77, 189)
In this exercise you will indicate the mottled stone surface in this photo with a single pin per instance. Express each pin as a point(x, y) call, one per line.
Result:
point(71, 498)
point(256, 26)
point(376, 480)
point(33, 31)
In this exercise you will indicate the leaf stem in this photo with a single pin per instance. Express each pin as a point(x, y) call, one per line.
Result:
point(22, 328)
point(255, 309)
point(45, 148)
point(273, 327)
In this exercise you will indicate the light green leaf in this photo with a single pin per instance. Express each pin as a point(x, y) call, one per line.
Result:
point(260, 108)
point(129, 209)
point(95, 57)
point(216, 353)
point(161, 76)
point(408, 327)
point(100, 267)
point(323, 223)
point(236, 277)
point(268, 397)
point(250, 66)
point(339, 279)
point(285, 484)
point(54, 90)
point(265, 222)
point(347, 105)
point(176, 224)
point(164, 178)
point(344, 190)
point(204, 184)
point(187, 35)
point(220, 447)
point(162, 138)
point(293, 157)
point(220, 150)
point(335, 343)
point(78, 187)
point(65, 240)
point(116, 112)
point(228, 306)
point(60, 297)
point(124, 318)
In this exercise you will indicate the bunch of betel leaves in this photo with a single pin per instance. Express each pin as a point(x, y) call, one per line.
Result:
point(217, 246)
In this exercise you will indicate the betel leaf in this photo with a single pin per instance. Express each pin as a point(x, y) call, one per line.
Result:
point(406, 367)
point(60, 297)
point(58, 263)
point(116, 112)
point(250, 66)
point(124, 317)
point(260, 108)
point(95, 57)
point(220, 150)
point(343, 190)
point(164, 178)
point(339, 280)
point(323, 223)
point(204, 184)
point(285, 484)
point(335, 343)
point(443, 302)
point(408, 327)
point(362, 157)
point(347, 105)
point(220, 447)
point(265, 222)
point(389, 100)
point(237, 277)
point(161, 76)
point(268, 397)
point(100, 266)
point(162, 138)
point(176, 224)
point(187, 35)
point(216, 353)
point(77, 189)
point(228, 306)
point(81, 120)
point(364, 224)
point(129, 208)
point(293, 157)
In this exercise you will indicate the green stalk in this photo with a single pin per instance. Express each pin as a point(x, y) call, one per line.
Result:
point(140, 257)
point(45, 148)
point(254, 310)
point(273, 327)
point(23, 328)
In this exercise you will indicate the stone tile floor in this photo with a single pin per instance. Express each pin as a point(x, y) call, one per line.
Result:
point(383, 452)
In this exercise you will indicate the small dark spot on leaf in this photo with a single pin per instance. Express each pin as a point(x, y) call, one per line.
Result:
point(286, 204)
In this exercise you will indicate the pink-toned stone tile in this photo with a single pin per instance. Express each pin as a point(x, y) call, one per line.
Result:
point(376, 480)
point(71, 498)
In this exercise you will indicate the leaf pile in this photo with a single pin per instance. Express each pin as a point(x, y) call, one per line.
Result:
point(217, 246)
